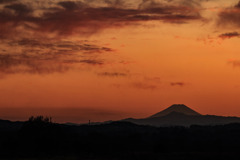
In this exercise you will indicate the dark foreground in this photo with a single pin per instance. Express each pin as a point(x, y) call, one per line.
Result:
point(36, 139)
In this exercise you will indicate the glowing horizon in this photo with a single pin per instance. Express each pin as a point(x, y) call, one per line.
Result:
point(110, 59)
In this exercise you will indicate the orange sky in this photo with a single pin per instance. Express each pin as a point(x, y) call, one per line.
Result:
point(77, 60)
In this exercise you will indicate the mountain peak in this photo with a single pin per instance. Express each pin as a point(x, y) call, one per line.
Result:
point(180, 108)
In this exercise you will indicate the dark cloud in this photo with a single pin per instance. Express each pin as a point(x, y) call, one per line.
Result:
point(82, 18)
point(229, 35)
point(230, 16)
point(237, 5)
point(47, 56)
point(59, 45)
point(36, 65)
point(181, 84)
point(71, 6)
point(113, 74)
point(92, 62)
point(7, 1)
point(33, 34)
point(20, 9)
point(25, 64)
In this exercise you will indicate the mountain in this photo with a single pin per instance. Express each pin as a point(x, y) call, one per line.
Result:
point(180, 108)
point(181, 115)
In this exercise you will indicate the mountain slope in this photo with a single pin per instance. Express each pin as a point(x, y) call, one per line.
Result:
point(181, 115)
point(179, 119)
point(180, 108)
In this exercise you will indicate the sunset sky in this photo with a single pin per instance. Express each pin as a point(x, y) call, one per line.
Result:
point(80, 60)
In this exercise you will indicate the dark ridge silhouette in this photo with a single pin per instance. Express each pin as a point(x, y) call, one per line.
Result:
point(9, 125)
point(39, 139)
point(179, 119)
point(181, 115)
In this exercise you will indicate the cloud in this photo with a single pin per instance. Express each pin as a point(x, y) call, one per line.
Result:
point(7, 1)
point(181, 84)
point(45, 56)
point(36, 37)
point(234, 63)
point(229, 35)
point(25, 64)
point(71, 6)
point(113, 74)
point(59, 45)
point(230, 17)
point(92, 62)
point(65, 18)
point(19, 9)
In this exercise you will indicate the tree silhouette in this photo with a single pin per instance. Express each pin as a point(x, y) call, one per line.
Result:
point(38, 124)
point(40, 119)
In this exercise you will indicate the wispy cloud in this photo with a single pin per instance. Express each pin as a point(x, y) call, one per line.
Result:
point(181, 84)
point(113, 74)
point(229, 35)
point(44, 56)
point(234, 63)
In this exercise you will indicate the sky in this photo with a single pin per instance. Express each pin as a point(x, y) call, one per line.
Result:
point(99, 60)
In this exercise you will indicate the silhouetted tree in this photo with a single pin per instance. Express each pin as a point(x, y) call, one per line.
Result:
point(40, 119)
point(38, 124)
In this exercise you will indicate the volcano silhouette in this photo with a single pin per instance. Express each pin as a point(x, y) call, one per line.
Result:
point(179, 108)
point(181, 115)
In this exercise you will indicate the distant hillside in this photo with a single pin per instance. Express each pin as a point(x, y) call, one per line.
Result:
point(9, 125)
